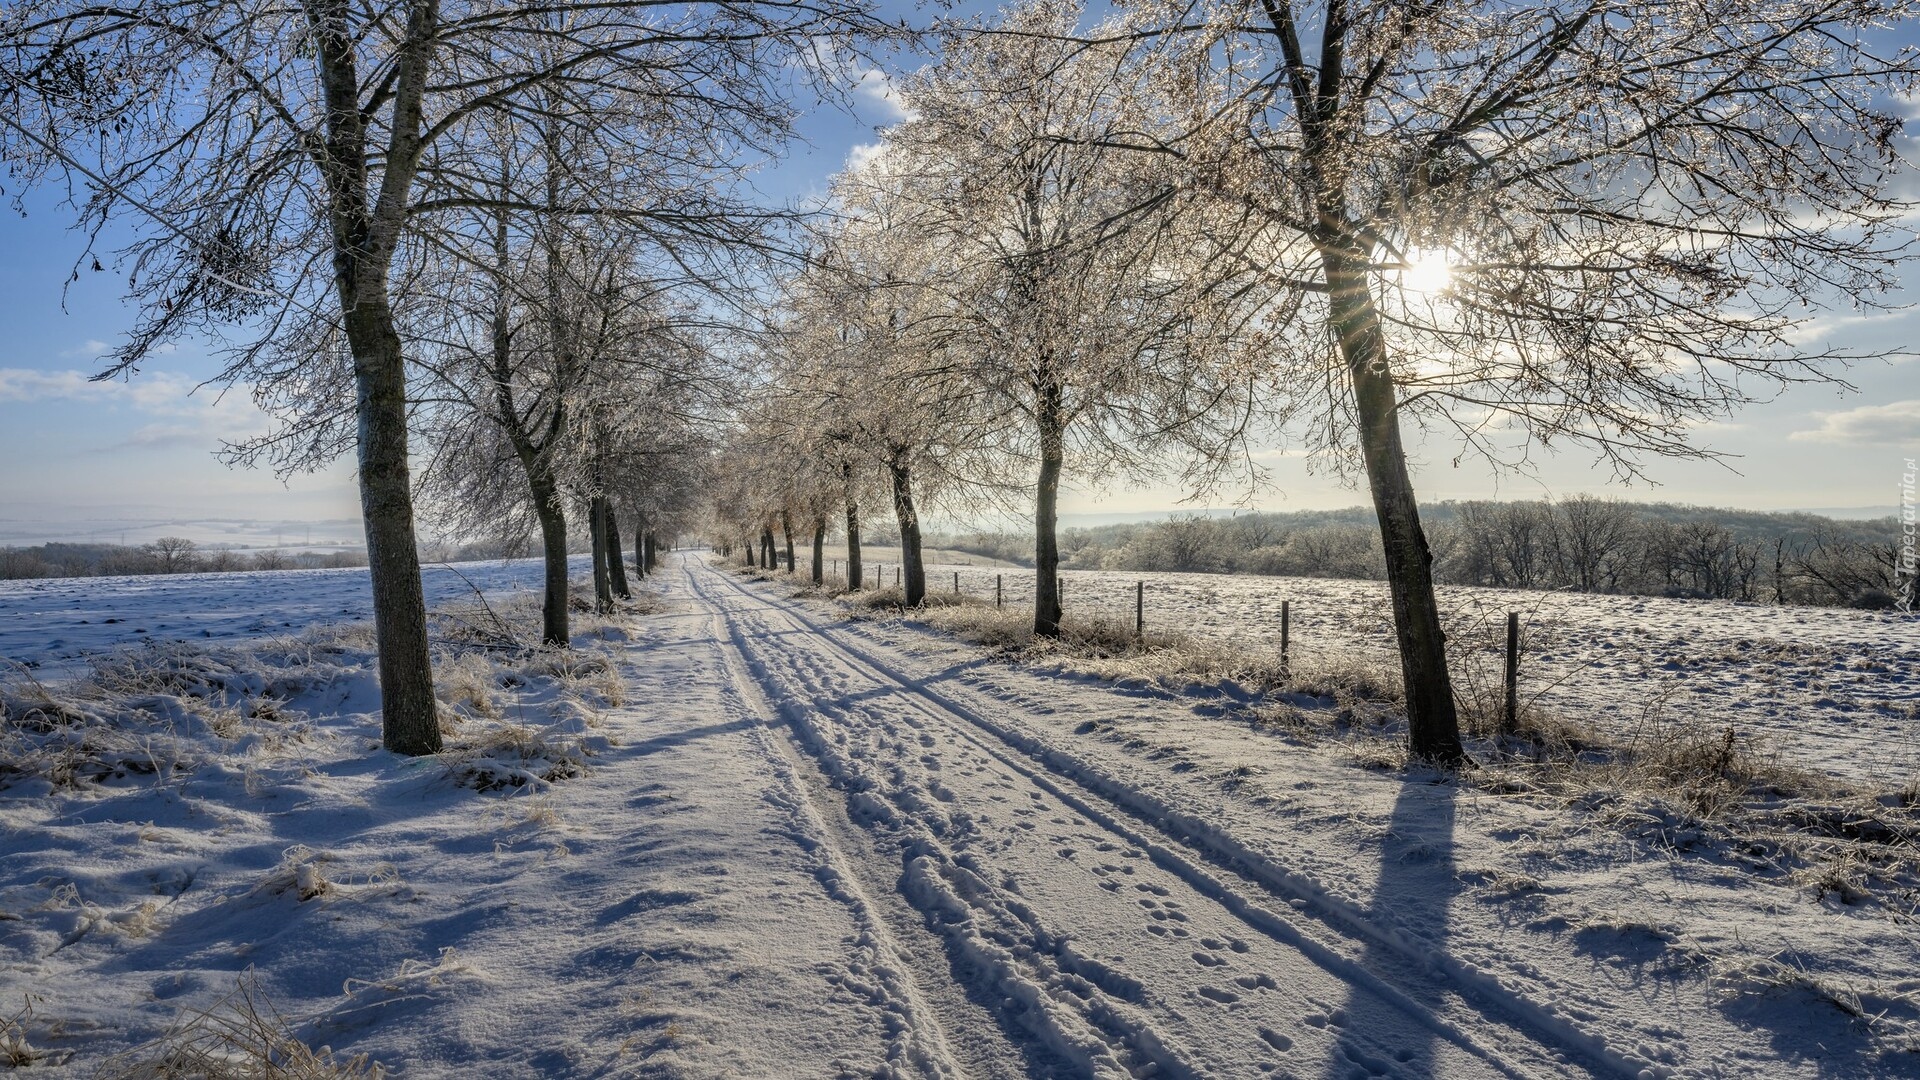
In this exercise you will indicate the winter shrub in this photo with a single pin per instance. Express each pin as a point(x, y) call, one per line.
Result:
point(515, 756)
point(1873, 600)
point(240, 1037)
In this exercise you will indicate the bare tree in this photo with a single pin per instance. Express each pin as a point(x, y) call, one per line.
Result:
point(1066, 285)
point(1589, 539)
point(173, 554)
point(1586, 221)
point(256, 144)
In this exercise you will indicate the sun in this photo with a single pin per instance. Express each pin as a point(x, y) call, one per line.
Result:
point(1427, 273)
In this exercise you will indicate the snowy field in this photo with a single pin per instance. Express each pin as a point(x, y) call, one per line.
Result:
point(52, 625)
point(742, 836)
point(1828, 688)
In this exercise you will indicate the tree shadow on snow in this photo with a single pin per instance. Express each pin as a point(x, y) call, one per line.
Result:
point(1412, 900)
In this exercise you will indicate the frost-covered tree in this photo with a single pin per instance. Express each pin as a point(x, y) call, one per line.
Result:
point(1589, 221)
point(867, 379)
point(563, 373)
point(1065, 284)
point(272, 159)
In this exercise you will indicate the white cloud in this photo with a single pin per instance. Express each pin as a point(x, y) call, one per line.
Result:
point(875, 87)
point(157, 435)
point(181, 417)
point(1896, 423)
point(1824, 327)
point(89, 347)
point(161, 392)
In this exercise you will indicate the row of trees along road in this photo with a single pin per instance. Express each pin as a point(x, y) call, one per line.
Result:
point(1108, 248)
point(293, 174)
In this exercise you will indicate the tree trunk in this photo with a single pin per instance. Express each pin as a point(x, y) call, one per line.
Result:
point(653, 559)
point(530, 447)
point(786, 530)
point(752, 558)
point(1433, 727)
point(597, 540)
point(767, 559)
point(1046, 502)
point(616, 561)
point(553, 550)
point(410, 722)
point(819, 550)
point(364, 237)
point(640, 547)
point(900, 466)
point(853, 530)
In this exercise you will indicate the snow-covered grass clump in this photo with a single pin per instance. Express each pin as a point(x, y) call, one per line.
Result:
point(514, 714)
point(163, 709)
point(240, 1037)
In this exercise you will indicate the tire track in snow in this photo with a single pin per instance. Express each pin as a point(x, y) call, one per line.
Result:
point(917, 1047)
point(1189, 847)
point(901, 986)
point(1035, 974)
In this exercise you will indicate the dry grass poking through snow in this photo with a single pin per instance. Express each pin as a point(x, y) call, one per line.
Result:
point(515, 714)
point(522, 715)
point(154, 710)
point(240, 1037)
point(19, 1033)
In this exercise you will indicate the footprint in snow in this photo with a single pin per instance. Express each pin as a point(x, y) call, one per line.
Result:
point(1214, 993)
point(1207, 959)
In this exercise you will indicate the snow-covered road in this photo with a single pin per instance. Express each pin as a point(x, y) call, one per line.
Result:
point(1116, 943)
point(1139, 913)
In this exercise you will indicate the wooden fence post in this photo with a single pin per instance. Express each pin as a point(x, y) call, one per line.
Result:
point(1140, 609)
point(1510, 717)
point(1286, 613)
point(999, 582)
point(956, 583)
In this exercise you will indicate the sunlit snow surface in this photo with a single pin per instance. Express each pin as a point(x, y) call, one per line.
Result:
point(1834, 689)
point(808, 846)
point(53, 624)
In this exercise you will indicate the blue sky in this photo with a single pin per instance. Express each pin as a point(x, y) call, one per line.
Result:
point(137, 459)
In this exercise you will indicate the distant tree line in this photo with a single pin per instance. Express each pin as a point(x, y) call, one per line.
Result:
point(167, 555)
point(178, 555)
point(1581, 544)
